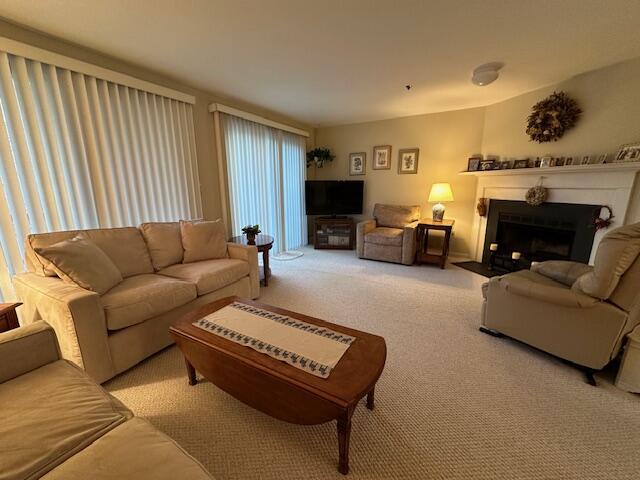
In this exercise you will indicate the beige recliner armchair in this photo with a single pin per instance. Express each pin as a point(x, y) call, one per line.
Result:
point(579, 313)
point(391, 235)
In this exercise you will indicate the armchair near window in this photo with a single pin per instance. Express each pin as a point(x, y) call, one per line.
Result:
point(573, 311)
point(391, 235)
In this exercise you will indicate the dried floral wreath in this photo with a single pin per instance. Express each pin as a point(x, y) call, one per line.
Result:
point(552, 117)
point(603, 222)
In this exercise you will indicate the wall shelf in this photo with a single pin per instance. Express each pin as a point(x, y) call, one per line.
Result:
point(539, 171)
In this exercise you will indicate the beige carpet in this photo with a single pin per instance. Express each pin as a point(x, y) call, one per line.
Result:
point(452, 403)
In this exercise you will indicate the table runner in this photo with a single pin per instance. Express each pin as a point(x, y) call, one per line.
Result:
point(309, 347)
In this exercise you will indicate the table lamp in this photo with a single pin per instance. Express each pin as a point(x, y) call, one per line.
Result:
point(440, 192)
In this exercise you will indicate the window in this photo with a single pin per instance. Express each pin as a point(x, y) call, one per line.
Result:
point(82, 152)
point(266, 173)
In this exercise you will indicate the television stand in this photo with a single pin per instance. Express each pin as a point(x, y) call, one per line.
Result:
point(336, 233)
point(334, 217)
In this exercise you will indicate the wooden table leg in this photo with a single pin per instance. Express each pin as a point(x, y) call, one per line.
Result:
point(344, 435)
point(445, 248)
point(265, 265)
point(191, 372)
point(371, 398)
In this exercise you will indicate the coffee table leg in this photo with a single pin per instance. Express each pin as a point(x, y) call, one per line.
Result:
point(344, 435)
point(371, 398)
point(191, 372)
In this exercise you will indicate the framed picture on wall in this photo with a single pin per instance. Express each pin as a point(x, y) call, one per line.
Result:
point(357, 163)
point(408, 160)
point(382, 157)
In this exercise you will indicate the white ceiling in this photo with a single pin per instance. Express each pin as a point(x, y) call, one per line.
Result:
point(340, 61)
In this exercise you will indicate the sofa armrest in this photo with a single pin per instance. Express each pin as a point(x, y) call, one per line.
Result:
point(26, 348)
point(76, 315)
point(362, 228)
point(249, 254)
point(561, 271)
point(409, 243)
point(546, 293)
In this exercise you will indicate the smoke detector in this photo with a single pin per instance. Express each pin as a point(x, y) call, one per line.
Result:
point(486, 73)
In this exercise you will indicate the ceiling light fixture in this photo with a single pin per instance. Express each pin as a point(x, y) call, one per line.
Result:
point(486, 73)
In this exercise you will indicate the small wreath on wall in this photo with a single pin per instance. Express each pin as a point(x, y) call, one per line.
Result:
point(604, 222)
point(536, 195)
point(552, 117)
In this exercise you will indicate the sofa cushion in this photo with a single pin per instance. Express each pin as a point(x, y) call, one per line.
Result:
point(209, 275)
point(164, 243)
point(48, 415)
point(142, 297)
point(203, 240)
point(133, 450)
point(395, 216)
point(124, 246)
point(385, 236)
point(80, 261)
point(616, 253)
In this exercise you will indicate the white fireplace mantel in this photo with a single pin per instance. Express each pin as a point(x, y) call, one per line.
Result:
point(608, 184)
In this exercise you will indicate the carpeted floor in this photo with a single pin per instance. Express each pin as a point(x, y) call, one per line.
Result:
point(452, 402)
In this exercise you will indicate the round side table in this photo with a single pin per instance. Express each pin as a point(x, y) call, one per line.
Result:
point(264, 243)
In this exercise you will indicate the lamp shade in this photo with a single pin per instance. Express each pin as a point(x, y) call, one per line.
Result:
point(441, 192)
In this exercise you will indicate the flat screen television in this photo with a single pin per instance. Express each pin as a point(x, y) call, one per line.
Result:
point(333, 197)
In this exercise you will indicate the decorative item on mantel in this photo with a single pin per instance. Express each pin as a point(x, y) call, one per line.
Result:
point(536, 195)
point(319, 156)
point(440, 192)
point(600, 222)
point(251, 231)
point(552, 117)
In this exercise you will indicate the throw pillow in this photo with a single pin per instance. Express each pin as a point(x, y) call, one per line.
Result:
point(203, 240)
point(164, 242)
point(82, 262)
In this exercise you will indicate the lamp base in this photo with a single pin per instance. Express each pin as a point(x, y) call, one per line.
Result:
point(438, 212)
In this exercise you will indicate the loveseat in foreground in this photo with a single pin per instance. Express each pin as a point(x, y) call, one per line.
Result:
point(58, 424)
point(106, 334)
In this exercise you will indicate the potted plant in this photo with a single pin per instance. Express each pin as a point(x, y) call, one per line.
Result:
point(319, 156)
point(251, 231)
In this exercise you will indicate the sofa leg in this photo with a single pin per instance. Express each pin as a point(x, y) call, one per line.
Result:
point(493, 333)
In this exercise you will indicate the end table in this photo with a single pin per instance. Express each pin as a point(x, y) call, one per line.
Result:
point(422, 241)
point(8, 316)
point(263, 243)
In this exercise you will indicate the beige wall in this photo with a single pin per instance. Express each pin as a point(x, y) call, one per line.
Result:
point(610, 100)
point(203, 120)
point(445, 141)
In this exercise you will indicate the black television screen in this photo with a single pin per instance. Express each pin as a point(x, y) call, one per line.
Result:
point(333, 197)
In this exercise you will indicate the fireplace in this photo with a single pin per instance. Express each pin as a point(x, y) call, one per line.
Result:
point(551, 231)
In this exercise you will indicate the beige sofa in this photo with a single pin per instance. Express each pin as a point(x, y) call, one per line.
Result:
point(58, 424)
point(107, 334)
point(391, 235)
point(579, 313)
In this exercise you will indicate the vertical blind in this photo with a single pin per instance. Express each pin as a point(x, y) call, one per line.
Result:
point(266, 173)
point(80, 152)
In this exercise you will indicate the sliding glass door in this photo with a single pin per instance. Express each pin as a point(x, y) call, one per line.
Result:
point(266, 172)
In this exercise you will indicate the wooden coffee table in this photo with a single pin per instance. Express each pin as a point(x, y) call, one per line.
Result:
point(277, 388)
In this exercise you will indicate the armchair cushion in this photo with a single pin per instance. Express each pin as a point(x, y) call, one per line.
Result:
point(395, 216)
point(209, 275)
point(142, 297)
point(533, 285)
point(203, 240)
point(80, 261)
point(385, 236)
point(616, 253)
point(561, 271)
point(164, 243)
point(26, 348)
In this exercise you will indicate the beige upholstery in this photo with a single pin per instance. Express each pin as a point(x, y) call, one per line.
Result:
point(164, 242)
point(203, 240)
point(80, 261)
point(55, 422)
point(142, 297)
point(390, 236)
point(134, 450)
point(209, 275)
point(50, 414)
point(107, 334)
point(543, 308)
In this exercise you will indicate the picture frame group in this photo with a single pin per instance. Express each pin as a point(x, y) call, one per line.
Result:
point(407, 160)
